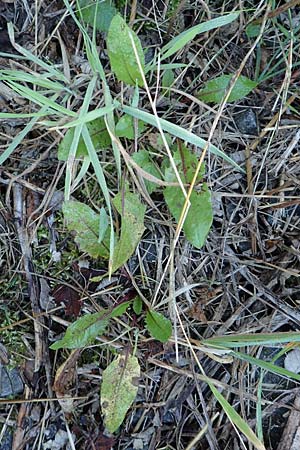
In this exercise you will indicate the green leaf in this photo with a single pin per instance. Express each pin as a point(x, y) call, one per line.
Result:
point(186, 36)
point(119, 310)
point(200, 216)
point(83, 332)
point(253, 30)
point(82, 219)
point(125, 127)
point(99, 136)
point(167, 79)
point(104, 11)
point(119, 389)
point(143, 159)
point(121, 54)
point(186, 163)
point(137, 305)
point(132, 212)
point(158, 326)
point(215, 89)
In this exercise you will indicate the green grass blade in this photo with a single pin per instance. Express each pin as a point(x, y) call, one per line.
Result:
point(40, 99)
point(22, 116)
point(177, 131)
point(152, 66)
point(18, 139)
point(88, 117)
point(101, 180)
point(36, 79)
point(245, 340)
point(183, 38)
point(76, 137)
point(83, 170)
point(31, 57)
point(111, 124)
point(236, 419)
point(267, 366)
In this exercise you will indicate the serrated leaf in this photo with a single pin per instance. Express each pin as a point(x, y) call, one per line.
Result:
point(143, 159)
point(132, 212)
point(99, 136)
point(121, 54)
point(83, 332)
point(215, 89)
point(137, 305)
point(125, 127)
point(118, 390)
point(104, 12)
point(158, 326)
point(82, 219)
point(200, 216)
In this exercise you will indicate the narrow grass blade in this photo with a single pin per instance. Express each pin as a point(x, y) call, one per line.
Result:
point(152, 66)
point(110, 120)
point(34, 78)
point(31, 57)
point(22, 116)
point(236, 419)
point(83, 170)
point(88, 117)
point(177, 131)
point(102, 182)
point(267, 366)
point(19, 138)
point(76, 137)
point(40, 99)
point(90, 46)
point(180, 41)
point(245, 340)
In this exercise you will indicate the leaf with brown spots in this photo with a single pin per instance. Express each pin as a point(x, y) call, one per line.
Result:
point(119, 388)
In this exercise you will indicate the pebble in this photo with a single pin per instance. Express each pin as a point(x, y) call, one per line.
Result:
point(246, 122)
point(10, 382)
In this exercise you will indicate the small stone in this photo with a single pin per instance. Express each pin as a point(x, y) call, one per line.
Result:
point(292, 361)
point(10, 382)
point(246, 122)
